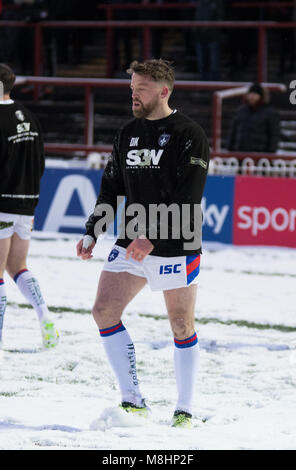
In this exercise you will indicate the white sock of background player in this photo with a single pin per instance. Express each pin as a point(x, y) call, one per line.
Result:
point(29, 287)
point(3, 300)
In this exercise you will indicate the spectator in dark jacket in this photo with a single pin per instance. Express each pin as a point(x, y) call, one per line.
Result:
point(255, 128)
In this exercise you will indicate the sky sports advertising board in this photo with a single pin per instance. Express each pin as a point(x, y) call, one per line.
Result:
point(240, 210)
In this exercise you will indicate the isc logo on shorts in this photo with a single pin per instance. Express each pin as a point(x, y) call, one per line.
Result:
point(169, 269)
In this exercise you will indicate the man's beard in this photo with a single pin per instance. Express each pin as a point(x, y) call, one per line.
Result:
point(144, 111)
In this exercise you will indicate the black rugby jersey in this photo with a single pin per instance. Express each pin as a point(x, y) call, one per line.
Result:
point(21, 159)
point(157, 162)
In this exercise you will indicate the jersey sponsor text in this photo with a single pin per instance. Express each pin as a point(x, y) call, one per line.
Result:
point(144, 157)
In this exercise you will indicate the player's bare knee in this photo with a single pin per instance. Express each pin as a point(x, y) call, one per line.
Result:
point(99, 313)
point(104, 316)
point(182, 327)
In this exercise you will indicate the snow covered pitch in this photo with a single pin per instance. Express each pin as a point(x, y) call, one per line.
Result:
point(67, 398)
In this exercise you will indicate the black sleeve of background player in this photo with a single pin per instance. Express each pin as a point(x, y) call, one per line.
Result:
point(112, 186)
point(41, 150)
point(192, 169)
point(1, 159)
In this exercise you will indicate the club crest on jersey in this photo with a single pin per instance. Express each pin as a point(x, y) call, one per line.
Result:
point(163, 139)
point(20, 115)
point(113, 255)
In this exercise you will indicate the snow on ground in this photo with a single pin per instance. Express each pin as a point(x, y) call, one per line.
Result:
point(67, 398)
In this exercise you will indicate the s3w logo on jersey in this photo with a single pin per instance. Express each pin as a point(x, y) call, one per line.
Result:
point(138, 158)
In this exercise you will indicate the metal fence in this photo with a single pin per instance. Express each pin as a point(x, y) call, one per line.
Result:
point(221, 162)
point(147, 28)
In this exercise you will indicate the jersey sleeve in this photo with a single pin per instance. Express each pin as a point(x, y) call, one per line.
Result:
point(192, 167)
point(41, 149)
point(112, 186)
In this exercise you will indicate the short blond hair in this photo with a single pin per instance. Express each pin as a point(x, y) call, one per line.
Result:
point(159, 70)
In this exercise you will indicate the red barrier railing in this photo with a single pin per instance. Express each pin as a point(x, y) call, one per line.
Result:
point(110, 8)
point(147, 26)
point(89, 84)
point(263, 5)
point(70, 148)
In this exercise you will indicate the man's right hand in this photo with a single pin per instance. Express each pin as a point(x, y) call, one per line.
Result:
point(85, 252)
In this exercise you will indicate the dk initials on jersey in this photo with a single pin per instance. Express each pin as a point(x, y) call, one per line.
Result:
point(144, 157)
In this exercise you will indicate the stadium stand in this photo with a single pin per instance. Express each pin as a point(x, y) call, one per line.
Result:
point(61, 110)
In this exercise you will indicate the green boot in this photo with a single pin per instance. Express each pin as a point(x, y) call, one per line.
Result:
point(137, 410)
point(50, 335)
point(181, 419)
